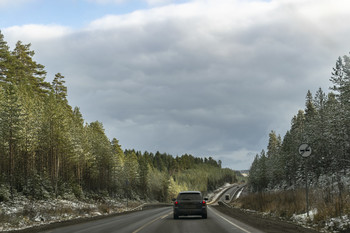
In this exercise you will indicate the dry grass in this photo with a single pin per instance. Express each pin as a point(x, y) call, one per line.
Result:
point(282, 203)
point(286, 203)
point(330, 205)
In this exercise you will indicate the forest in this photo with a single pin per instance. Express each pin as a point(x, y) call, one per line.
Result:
point(47, 150)
point(324, 124)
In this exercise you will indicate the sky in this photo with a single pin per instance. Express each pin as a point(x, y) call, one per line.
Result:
point(202, 77)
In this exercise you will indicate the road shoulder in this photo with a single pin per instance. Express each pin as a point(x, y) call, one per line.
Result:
point(264, 224)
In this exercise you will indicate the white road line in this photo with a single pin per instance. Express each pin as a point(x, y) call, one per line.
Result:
point(233, 224)
point(149, 223)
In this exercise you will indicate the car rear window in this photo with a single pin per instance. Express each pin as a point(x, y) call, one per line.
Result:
point(189, 196)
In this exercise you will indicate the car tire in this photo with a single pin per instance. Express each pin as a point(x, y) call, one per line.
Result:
point(176, 216)
point(204, 216)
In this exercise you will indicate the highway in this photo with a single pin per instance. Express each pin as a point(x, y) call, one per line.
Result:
point(231, 192)
point(159, 220)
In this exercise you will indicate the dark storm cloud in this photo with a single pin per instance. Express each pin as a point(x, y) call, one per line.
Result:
point(202, 77)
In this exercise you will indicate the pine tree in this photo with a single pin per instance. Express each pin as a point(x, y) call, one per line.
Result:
point(319, 135)
point(341, 84)
point(4, 59)
point(131, 169)
point(337, 77)
point(290, 161)
point(254, 175)
point(143, 176)
point(274, 159)
point(103, 160)
point(81, 154)
point(26, 73)
point(118, 174)
point(56, 145)
point(10, 123)
point(59, 89)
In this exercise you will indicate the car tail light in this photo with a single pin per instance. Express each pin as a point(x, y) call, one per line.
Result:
point(203, 203)
point(176, 203)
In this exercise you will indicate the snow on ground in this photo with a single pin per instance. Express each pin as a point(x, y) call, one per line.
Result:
point(302, 219)
point(21, 213)
point(338, 224)
point(239, 193)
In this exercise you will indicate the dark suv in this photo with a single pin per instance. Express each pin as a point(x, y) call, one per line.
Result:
point(190, 203)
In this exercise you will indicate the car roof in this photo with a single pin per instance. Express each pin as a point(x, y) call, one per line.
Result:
point(192, 192)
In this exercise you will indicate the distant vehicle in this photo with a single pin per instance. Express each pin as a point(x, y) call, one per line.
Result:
point(190, 203)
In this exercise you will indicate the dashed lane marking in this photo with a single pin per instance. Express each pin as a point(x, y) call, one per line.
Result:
point(149, 223)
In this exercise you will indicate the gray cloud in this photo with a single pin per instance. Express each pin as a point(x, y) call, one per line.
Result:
point(200, 78)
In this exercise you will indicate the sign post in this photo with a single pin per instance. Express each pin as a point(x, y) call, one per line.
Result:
point(305, 151)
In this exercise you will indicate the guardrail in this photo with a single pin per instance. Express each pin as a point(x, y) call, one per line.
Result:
point(224, 203)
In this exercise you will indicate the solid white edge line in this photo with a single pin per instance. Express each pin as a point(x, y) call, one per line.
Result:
point(235, 225)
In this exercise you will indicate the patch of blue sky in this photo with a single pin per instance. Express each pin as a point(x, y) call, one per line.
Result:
point(70, 13)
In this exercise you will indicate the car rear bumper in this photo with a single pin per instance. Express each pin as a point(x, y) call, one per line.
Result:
point(181, 212)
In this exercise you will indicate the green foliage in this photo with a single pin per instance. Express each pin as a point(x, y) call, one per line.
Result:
point(156, 189)
point(38, 187)
point(205, 177)
point(48, 150)
point(4, 193)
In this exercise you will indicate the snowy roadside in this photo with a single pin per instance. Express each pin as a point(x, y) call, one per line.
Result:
point(22, 213)
point(339, 224)
point(332, 225)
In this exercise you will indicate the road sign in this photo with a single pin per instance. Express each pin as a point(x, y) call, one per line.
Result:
point(305, 150)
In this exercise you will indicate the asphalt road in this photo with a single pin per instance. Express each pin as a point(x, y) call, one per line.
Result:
point(158, 221)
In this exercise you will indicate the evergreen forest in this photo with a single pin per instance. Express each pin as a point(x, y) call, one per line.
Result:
point(325, 125)
point(47, 150)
